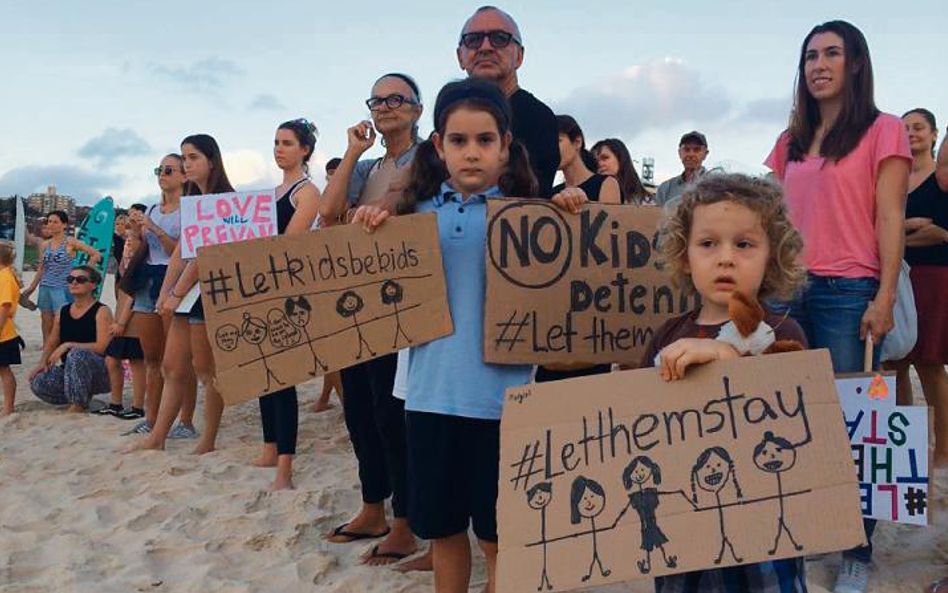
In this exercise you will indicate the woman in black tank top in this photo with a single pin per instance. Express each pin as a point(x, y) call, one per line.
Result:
point(296, 212)
point(578, 164)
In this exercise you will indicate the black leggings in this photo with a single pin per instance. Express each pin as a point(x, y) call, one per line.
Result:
point(376, 423)
point(280, 417)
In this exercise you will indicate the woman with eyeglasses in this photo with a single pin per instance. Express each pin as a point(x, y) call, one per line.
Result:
point(57, 252)
point(296, 210)
point(72, 367)
point(187, 346)
point(376, 419)
point(161, 224)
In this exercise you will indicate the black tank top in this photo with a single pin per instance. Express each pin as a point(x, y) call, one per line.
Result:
point(80, 330)
point(591, 186)
point(285, 207)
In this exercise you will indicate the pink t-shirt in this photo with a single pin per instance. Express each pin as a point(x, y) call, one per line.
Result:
point(834, 203)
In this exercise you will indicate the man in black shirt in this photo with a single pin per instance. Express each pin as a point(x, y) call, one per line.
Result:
point(490, 47)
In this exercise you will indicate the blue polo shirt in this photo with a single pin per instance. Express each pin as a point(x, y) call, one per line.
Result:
point(449, 375)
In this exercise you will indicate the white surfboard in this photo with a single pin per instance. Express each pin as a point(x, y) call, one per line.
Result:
point(19, 235)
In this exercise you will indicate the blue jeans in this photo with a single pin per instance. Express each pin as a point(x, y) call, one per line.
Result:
point(830, 310)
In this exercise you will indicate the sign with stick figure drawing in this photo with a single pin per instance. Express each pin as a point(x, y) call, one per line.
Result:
point(743, 461)
point(282, 310)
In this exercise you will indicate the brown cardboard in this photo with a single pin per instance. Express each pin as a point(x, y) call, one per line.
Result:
point(594, 427)
point(367, 294)
point(565, 288)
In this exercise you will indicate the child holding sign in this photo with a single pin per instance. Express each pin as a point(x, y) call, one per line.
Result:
point(730, 234)
point(454, 398)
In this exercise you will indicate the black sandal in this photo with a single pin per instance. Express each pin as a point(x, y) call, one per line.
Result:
point(354, 535)
point(132, 414)
point(109, 410)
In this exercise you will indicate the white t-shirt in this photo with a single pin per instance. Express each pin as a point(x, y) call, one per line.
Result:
point(171, 225)
point(400, 389)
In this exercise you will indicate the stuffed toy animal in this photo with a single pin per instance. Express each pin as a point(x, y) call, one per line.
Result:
point(748, 333)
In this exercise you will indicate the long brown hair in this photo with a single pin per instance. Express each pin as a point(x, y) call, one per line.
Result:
point(633, 192)
point(217, 181)
point(859, 107)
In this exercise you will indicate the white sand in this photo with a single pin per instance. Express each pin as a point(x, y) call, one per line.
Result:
point(78, 516)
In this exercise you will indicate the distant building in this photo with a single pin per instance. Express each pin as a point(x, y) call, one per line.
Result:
point(50, 200)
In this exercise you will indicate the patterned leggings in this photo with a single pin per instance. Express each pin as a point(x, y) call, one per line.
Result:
point(75, 382)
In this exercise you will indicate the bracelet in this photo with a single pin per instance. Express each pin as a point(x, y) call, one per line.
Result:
point(173, 295)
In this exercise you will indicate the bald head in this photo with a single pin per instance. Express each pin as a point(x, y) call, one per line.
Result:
point(511, 24)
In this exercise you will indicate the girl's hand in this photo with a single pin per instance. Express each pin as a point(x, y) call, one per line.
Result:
point(58, 353)
point(169, 305)
point(571, 199)
point(361, 137)
point(371, 217)
point(117, 329)
point(680, 355)
point(877, 320)
point(914, 224)
point(40, 368)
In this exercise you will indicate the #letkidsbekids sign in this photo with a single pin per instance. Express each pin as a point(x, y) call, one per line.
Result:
point(216, 219)
point(890, 448)
point(565, 288)
point(624, 476)
point(283, 310)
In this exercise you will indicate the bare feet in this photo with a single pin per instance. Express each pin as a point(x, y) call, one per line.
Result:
point(423, 563)
point(203, 448)
point(268, 456)
point(323, 404)
point(282, 483)
point(145, 444)
point(75, 409)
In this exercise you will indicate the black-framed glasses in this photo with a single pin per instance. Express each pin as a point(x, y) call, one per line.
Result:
point(77, 280)
point(166, 170)
point(393, 101)
point(498, 39)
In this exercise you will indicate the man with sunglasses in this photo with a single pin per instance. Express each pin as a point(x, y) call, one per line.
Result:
point(72, 367)
point(491, 47)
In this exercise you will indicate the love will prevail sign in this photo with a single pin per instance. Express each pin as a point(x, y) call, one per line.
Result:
point(623, 476)
point(217, 219)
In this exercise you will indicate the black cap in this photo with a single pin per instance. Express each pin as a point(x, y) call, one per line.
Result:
point(693, 137)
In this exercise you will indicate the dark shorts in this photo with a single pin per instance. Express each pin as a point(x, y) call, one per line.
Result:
point(452, 475)
point(10, 352)
point(125, 348)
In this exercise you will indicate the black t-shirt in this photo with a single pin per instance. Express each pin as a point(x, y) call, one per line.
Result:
point(592, 187)
point(534, 125)
point(928, 201)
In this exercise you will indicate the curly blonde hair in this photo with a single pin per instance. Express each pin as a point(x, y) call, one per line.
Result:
point(785, 273)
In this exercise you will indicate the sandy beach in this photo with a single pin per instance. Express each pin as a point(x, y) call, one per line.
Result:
point(76, 515)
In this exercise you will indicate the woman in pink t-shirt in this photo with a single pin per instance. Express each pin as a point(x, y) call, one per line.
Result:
point(844, 166)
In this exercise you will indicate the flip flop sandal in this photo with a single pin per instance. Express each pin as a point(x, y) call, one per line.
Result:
point(393, 556)
point(354, 535)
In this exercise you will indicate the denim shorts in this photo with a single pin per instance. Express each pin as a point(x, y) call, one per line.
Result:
point(52, 299)
point(144, 303)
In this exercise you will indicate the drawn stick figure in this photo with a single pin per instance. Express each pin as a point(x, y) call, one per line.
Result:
point(299, 310)
point(538, 498)
point(775, 455)
point(587, 500)
point(254, 330)
point(711, 472)
point(645, 500)
point(392, 294)
point(348, 305)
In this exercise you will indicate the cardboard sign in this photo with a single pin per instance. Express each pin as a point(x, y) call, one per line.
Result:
point(890, 448)
point(569, 289)
point(624, 476)
point(218, 219)
point(283, 310)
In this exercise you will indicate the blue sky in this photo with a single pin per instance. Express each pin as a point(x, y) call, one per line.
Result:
point(95, 92)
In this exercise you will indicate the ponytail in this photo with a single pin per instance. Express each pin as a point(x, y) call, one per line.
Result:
point(589, 160)
point(425, 178)
point(518, 180)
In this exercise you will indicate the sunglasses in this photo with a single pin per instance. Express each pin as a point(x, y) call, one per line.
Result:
point(393, 101)
point(159, 171)
point(77, 280)
point(498, 39)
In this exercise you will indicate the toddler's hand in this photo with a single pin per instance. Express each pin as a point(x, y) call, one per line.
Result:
point(678, 356)
point(371, 217)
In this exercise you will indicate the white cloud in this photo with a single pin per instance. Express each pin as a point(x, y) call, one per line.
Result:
point(249, 169)
point(114, 144)
point(266, 102)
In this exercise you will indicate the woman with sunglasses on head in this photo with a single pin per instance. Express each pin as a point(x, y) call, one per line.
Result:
point(376, 419)
point(612, 158)
point(57, 252)
point(296, 209)
point(161, 224)
point(187, 349)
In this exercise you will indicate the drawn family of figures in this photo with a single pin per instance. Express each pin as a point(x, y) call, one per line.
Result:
point(712, 472)
point(287, 327)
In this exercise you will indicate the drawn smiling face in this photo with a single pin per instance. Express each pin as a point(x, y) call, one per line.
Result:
point(591, 504)
point(540, 499)
point(254, 330)
point(713, 475)
point(772, 458)
point(641, 473)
